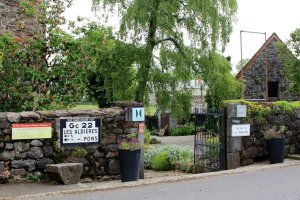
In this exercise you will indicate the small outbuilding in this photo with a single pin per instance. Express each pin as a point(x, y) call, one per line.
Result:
point(263, 75)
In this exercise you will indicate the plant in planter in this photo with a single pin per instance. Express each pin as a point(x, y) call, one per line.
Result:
point(275, 144)
point(129, 156)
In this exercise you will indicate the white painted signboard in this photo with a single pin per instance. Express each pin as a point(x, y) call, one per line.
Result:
point(79, 130)
point(239, 130)
point(241, 111)
point(138, 114)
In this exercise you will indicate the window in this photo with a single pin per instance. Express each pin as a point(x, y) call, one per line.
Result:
point(273, 89)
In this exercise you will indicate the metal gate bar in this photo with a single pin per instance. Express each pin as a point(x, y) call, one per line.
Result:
point(210, 140)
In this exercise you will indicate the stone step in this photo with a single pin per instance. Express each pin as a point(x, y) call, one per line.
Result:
point(69, 173)
point(294, 156)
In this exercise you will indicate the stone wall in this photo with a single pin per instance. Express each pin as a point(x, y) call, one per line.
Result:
point(18, 158)
point(255, 76)
point(15, 21)
point(244, 151)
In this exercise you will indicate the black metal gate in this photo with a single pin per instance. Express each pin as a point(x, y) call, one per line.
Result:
point(210, 140)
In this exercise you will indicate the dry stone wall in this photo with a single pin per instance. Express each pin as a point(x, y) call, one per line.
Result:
point(242, 151)
point(14, 20)
point(18, 158)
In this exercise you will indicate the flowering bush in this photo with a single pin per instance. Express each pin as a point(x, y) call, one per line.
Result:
point(130, 143)
point(272, 133)
point(171, 155)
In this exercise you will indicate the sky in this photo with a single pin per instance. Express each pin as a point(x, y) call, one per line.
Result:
point(279, 16)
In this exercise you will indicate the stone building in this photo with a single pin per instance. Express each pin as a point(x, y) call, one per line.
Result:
point(17, 21)
point(263, 75)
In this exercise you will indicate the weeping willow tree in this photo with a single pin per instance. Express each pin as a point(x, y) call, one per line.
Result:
point(173, 34)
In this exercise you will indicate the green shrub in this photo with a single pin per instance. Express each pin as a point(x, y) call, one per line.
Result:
point(213, 147)
point(181, 130)
point(175, 154)
point(79, 152)
point(161, 162)
point(147, 136)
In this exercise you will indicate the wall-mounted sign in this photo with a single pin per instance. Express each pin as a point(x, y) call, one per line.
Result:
point(79, 131)
point(241, 111)
point(239, 130)
point(138, 114)
point(236, 120)
point(141, 128)
point(31, 131)
point(135, 114)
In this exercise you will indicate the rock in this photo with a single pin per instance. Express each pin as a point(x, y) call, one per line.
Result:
point(17, 172)
point(4, 124)
point(41, 164)
point(120, 118)
point(35, 152)
point(112, 147)
point(288, 134)
point(47, 114)
point(69, 173)
point(4, 176)
point(110, 138)
point(2, 166)
point(130, 130)
point(114, 166)
point(118, 131)
point(13, 117)
point(20, 155)
point(21, 146)
point(17, 164)
point(30, 164)
point(7, 155)
point(297, 114)
point(48, 151)
point(36, 143)
point(112, 154)
point(251, 152)
point(86, 180)
point(30, 115)
point(247, 162)
point(105, 178)
point(2, 144)
point(9, 146)
point(98, 154)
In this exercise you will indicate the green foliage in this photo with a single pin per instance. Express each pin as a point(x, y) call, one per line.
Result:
point(79, 152)
point(167, 64)
point(244, 62)
point(259, 112)
point(213, 148)
point(110, 62)
point(28, 7)
point(272, 134)
point(33, 177)
point(147, 136)
point(290, 55)
point(185, 129)
point(130, 142)
point(287, 106)
point(174, 154)
point(222, 85)
point(161, 162)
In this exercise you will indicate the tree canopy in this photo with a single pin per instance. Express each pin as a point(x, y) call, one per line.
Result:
point(291, 60)
point(173, 35)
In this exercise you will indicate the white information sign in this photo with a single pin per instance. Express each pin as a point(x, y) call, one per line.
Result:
point(241, 111)
point(138, 114)
point(79, 130)
point(239, 130)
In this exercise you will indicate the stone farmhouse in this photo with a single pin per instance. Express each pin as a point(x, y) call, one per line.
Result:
point(263, 75)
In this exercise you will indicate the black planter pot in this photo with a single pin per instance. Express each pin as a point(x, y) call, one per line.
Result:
point(129, 164)
point(276, 150)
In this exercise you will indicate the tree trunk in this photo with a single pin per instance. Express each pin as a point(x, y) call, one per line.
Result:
point(143, 73)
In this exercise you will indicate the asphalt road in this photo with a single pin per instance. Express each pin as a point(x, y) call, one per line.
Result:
point(275, 184)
